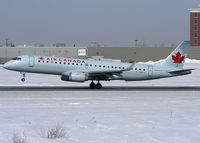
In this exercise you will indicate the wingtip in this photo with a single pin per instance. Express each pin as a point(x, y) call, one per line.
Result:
point(186, 41)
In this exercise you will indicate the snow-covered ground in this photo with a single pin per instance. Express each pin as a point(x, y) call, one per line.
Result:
point(101, 116)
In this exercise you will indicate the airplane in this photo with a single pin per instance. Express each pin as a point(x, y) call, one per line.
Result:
point(81, 70)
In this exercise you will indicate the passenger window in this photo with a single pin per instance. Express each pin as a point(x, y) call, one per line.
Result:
point(43, 61)
point(52, 62)
point(60, 63)
point(72, 63)
point(135, 68)
point(68, 63)
point(38, 60)
point(81, 64)
point(119, 67)
point(108, 66)
point(55, 62)
point(143, 69)
point(112, 67)
point(123, 68)
point(77, 64)
point(140, 69)
point(115, 67)
point(64, 63)
point(47, 61)
point(104, 66)
point(91, 65)
point(95, 65)
point(99, 65)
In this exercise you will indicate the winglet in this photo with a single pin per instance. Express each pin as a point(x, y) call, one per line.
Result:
point(130, 67)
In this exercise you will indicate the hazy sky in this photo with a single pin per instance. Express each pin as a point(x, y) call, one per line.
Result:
point(104, 21)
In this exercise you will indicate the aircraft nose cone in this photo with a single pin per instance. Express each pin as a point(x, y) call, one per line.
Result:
point(6, 66)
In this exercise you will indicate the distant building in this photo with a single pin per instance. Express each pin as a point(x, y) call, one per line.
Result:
point(195, 27)
point(60, 45)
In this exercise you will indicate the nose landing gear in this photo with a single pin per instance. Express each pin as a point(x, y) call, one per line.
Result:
point(97, 86)
point(23, 78)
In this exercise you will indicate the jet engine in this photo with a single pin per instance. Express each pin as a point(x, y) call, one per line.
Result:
point(75, 76)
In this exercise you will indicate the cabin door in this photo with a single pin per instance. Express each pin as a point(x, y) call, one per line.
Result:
point(150, 71)
point(31, 61)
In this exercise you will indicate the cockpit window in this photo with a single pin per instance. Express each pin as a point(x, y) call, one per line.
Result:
point(17, 58)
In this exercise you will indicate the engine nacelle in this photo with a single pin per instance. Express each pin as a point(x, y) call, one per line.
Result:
point(75, 76)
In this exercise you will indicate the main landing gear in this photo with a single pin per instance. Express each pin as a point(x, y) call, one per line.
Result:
point(23, 78)
point(97, 86)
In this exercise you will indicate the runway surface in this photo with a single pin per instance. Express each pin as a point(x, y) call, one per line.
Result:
point(112, 115)
point(108, 88)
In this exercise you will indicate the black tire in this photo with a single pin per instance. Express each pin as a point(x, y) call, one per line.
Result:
point(92, 85)
point(98, 86)
point(23, 79)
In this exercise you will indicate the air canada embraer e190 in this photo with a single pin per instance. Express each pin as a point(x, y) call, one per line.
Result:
point(80, 70)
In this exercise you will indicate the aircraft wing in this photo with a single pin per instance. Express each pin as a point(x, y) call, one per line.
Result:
point(101, 74)
point(111, 71)
point(105, 74)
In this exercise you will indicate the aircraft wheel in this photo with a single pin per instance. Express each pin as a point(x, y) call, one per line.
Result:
point(92, 85)
point(23, 79)
point(98, 86)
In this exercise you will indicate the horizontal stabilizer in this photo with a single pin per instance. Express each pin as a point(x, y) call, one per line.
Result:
point(181, 72)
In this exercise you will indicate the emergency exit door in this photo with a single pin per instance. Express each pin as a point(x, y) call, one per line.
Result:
point(86, 65)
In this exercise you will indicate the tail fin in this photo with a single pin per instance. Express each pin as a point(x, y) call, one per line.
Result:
point(177, 58)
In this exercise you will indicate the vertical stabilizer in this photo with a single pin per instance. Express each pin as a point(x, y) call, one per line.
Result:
point(177, 58)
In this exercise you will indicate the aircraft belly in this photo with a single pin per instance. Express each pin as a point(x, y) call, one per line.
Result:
point(131, 76)
point(160, 74)
point(46, 69)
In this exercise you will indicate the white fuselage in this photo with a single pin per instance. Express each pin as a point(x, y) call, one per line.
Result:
point(80, 70)
point(63, 66)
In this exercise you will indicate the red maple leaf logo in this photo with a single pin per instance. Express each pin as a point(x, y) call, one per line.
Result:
point(41, 58)
point(178, 59)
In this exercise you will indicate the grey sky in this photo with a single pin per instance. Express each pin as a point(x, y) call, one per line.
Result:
point(104, 21)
